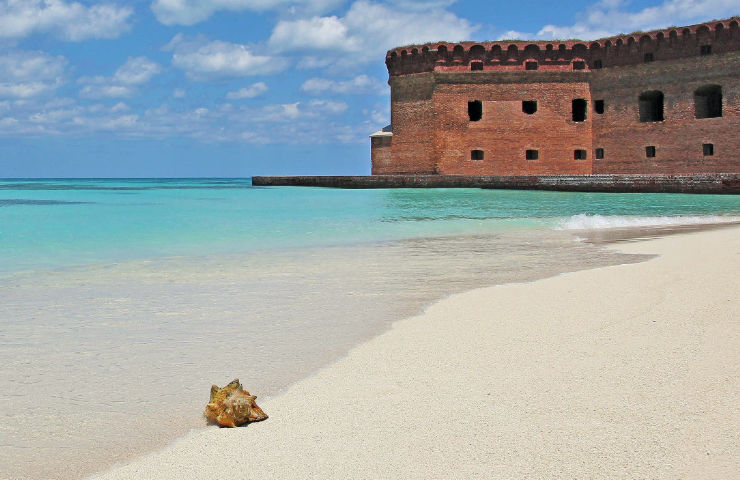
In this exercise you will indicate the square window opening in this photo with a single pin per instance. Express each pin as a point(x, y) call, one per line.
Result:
point(532, 154)
point(708, 149)
point(476, 154)
point(651, 106)
point(476, 66)
point(598, 64)
point(475, 110)
point(579, 154)
point(529, 106)
point(531, 66)
point(648, 57)
point(599, 153)
point(650, 151)
point(705, 50)
point(599, 106)
point(708, 101)
point(579, 65)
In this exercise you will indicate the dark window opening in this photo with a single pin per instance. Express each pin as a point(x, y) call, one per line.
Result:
point(651, 106)
point(476, 154)
point(708, 149)
point(533, 154)
point(599, 153)
point(579, 154)
point(579, 65)
point(531, 66)
point(475, 110)
point(529, 106)
point(599, 106)
point(650, 151)
point(579, 110)
point(598, 64)
point(476, 66)
point(705, 50)
point(708, 101)
point(648, 57)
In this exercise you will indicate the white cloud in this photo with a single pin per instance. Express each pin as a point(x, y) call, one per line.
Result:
point(189, 12)
point(136, 71)
point(361, 84)
point(178, 93)
point(609, 17)
point(368, 29)
point(71, 21)
point(202, 59)
point(28, 74)
point(119, 107)
point(327, 106)
point(117, 123)
point(421, 4)
point(106, 91)
point(308, 122)
point(316, 32)
point(378, 117)
point(251, 91)
point(312, 61)
point(515, 35)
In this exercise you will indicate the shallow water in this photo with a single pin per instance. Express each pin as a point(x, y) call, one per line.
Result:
point(113, 329)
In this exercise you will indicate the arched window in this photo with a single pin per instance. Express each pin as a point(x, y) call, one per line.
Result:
point(651, 106)
point(708, 101)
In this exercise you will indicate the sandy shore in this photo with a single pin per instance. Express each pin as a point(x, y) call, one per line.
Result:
point(630, 371)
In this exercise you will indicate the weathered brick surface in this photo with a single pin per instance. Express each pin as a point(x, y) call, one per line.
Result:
point(678, 139)
point(505, 132)
point(727, 183)
point(432, 84)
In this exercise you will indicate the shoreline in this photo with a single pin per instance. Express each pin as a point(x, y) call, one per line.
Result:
point(402, 278)
point(369, 399)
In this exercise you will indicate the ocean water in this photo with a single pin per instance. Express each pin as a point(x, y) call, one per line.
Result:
point(122, 301)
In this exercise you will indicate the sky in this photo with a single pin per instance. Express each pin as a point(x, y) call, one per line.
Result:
point(234, 88)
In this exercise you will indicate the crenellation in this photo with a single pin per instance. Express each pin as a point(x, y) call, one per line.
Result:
point(666, 44)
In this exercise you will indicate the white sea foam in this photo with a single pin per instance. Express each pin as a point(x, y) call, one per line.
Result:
point(599, 222)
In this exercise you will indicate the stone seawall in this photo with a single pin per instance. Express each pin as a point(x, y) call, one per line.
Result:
point(727, 183)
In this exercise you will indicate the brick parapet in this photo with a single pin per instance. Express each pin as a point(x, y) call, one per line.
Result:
point(665, 44)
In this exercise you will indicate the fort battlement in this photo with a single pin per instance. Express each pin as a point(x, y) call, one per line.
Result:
point(636, 48)
point(664, 102)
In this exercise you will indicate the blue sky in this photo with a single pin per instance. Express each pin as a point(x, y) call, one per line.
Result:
point(176, 88)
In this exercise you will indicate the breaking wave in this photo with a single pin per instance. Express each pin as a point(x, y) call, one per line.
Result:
point(598, 222)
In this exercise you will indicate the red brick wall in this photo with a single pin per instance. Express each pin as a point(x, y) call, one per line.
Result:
point(380, 152)
point(678, 139)
point(412, 121)
point(505, 132)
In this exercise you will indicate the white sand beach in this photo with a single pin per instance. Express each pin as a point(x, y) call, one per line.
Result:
point(630, 371)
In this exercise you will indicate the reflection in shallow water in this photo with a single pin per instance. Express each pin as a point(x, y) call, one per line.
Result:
point(125, 353)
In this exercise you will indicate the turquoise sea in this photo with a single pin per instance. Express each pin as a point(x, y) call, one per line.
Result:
point(53, 223)
point(122, 301)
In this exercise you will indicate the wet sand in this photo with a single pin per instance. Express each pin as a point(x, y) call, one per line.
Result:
point(628, 371)
point(116, 345)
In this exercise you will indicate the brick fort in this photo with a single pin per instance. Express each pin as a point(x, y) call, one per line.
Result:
point(660, 102)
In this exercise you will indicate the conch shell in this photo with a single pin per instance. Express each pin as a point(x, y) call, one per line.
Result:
point(232, 406)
